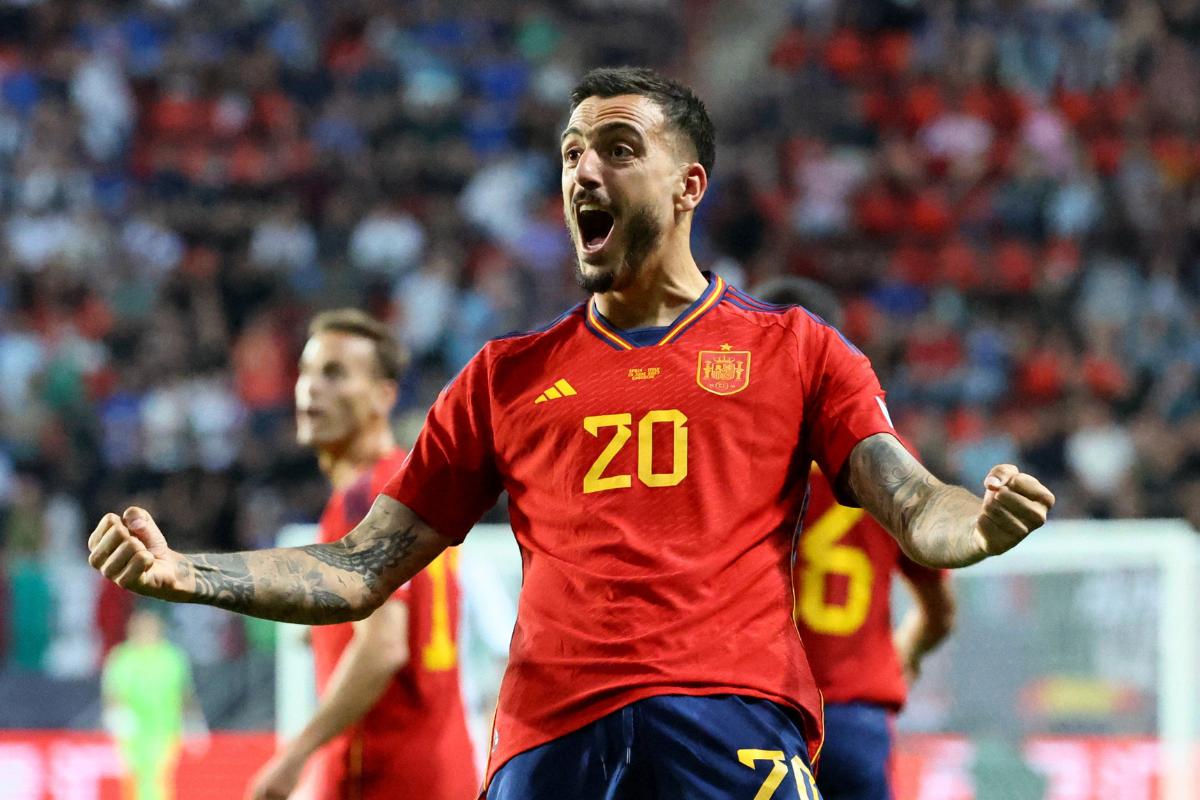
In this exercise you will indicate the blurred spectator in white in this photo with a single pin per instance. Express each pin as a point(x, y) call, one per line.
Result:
point(826, 179)
point(152, 246)
point(959, 138)
point(1101, 454)
point(216, 418)
point(426, 301)
point(285, 241)
point(101, 93)
point(165, 427)
point(499, 196)
point(387, 241)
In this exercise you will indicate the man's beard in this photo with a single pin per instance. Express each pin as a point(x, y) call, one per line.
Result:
point(642, 233)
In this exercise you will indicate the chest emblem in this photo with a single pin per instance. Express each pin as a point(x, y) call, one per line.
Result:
point(724, 371)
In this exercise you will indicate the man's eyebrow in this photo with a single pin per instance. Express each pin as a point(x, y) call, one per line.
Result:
point(603, 128)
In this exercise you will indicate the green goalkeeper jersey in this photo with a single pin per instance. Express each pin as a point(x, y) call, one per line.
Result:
point(150, 682)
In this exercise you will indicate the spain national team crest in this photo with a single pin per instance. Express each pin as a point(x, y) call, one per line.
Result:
point(724, 371)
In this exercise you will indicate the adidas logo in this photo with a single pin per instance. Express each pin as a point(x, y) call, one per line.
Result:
point(560, 389)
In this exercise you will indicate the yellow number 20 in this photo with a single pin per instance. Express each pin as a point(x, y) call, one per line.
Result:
point(596, 481)
point(824, 556)
point(806, 787)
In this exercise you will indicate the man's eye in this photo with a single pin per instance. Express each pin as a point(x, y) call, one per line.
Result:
point(571, 156)
point(622, 151)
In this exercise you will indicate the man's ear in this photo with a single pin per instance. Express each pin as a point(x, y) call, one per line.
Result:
point(384, 397)
point(692, 187)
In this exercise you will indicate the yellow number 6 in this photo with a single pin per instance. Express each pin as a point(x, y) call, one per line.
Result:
point(824, 556)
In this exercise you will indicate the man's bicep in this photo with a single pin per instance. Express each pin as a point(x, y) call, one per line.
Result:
point(391, 545)
point(886, 480)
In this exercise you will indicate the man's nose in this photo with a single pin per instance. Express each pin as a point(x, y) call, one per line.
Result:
point(587, 171)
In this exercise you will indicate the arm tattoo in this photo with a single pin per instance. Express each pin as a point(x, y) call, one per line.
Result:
point(933, 522)
point(226, 580)
point(371, 560)
point(315, 584)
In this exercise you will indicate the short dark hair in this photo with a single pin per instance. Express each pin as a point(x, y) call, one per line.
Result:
point(390, 357)
point(680, 105)
point(791, 290)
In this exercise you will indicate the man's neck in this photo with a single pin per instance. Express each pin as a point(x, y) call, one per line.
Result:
point(665, 286)
point(343, 463)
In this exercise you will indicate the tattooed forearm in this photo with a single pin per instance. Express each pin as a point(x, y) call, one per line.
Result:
point(274, 584)
point(372, 560)
point(933, 522)
point(320, 583)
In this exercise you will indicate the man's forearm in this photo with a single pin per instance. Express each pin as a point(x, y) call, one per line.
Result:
point(358, 681)
point(319, 583)
point(284, 584)
point(934, 522)
point(940, 532)
point(918, 634)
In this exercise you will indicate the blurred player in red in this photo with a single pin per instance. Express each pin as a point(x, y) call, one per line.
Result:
point(390, 719)
point(843, 579)
point(655, 444)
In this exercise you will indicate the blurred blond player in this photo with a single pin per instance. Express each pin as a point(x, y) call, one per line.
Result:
point(147, 690)
point(390, 720)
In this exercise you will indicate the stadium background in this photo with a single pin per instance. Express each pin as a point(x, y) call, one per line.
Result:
point(1006, 195)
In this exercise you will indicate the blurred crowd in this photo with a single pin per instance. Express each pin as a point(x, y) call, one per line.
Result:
point(1006, 196)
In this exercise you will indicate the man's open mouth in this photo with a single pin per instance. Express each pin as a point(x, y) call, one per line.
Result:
point(595, 227)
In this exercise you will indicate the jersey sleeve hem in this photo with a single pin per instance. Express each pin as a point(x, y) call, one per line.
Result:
point(442, 523)
point(838, 456)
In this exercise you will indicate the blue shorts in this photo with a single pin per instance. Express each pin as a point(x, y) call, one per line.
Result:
point(856, 758)
point(671, 747)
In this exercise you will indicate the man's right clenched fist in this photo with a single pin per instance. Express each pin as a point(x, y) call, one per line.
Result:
point(131, 552)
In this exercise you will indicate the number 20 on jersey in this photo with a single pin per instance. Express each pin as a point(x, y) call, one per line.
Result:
point(620, 428)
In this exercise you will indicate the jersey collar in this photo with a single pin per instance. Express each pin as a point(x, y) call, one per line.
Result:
point(614, 337)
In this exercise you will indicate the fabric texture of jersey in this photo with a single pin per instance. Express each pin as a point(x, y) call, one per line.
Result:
point(414, 740)
point(843, 600)
point(654, 493)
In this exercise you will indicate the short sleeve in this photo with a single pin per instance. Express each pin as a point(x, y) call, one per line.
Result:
point(450, 478)
point(844, 402)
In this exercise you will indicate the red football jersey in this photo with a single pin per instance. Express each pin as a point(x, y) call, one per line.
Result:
point(414, 741)
point(843, 580)
point(654, 493)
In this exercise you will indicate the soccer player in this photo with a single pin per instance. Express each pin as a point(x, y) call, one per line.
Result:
point(655, 443)
point(390, 719)
point(843, 577)
point(146, 685)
